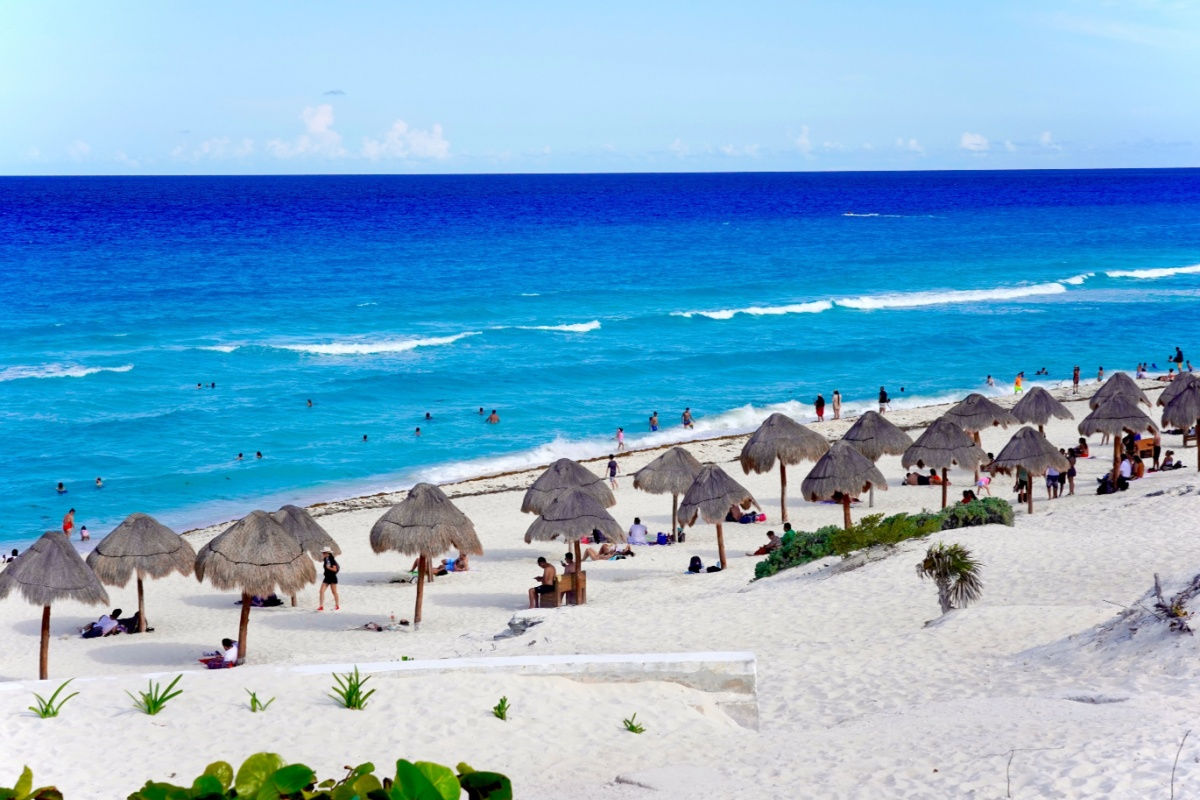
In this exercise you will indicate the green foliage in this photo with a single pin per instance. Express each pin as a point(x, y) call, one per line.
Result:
point(265, 776)
point(801, 547)
point(500, 710)
point(154, 700)
point(632, 725)
point(49, 707)
point(955, 572)
point(24, 789)
point(257, 705)
point(348, 691)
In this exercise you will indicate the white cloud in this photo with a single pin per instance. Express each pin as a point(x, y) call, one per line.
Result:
point(732, 150)
point(1046, 140)
point(910, 146)
point(680, 149)
point(975, 142)
point(216, 149)
point(402, 141)
point(78, 150)
point(319, 138)
point(1009, 146)
point(803, 143)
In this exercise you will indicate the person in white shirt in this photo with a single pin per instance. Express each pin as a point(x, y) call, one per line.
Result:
point(1126, 471)
point(105, 626)
point(637, 532)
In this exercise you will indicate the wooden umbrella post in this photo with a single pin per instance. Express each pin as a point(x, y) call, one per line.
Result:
point(1029, 491)
point(243, 624)
point(721, 545)
point(44, 653)
point(782, 492)
point(674, 515)
point(846, 510)
point(945, 484)
point(141, 606)
point(1197, 444)
point(979, 444)
point(420, 588)
point(1116, 473)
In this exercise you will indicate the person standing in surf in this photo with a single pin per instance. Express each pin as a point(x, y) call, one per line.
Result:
point(620, 439)
point(884, 401)
point(686, 418)
point(654, 422)
point(819, 405)
point(837, 404)
point(1075, 382)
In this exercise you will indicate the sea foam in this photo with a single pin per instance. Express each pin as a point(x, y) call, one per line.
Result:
point(370, 348)
point(56, 371)
point(1150, 274)
point(579, 327)
point(815, 307)
point(937, 298)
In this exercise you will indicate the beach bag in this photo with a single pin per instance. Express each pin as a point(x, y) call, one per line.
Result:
point(662, 538)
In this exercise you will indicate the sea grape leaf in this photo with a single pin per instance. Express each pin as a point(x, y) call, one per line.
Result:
point(206, 785)
point(486, 786)
point(222, 771)
point(292, 778)
point(254, 772)
point(411, 784)
point(442, 778)
point(24, 784)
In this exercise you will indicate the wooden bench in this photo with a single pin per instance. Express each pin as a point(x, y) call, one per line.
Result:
point(574, 585)
point(1189, 438)
point(1145, 448)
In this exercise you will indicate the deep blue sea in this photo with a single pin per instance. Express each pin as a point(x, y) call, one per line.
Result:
point(572, 304)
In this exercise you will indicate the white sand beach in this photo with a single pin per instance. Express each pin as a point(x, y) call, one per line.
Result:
point(1047, 687)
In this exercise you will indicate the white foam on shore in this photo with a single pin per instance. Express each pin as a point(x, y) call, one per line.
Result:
point(56, 371)
point(579, 327)
point(1077, 280)
point(814, 307)
point(936, 298)
point(373, 347)
point(1151, 274)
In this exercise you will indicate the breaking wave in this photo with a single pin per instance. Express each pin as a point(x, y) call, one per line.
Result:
point(936, 298)
point(56, 371)
point(1150, 274)
point(814, 307)
point(579, 327)
point(370, 348)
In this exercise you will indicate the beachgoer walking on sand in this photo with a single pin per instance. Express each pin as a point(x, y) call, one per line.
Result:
point(884, 401)
point(654, 422)
point(837, 404)
point(819, 405)
point(330, 579)
point(1075, 380)
point(1100, 375)
point(620, 439)
point(612, 471)
point(493, 418)
point(1018, 382)
point(686, 417)
point(545, 581)
point(69, 522)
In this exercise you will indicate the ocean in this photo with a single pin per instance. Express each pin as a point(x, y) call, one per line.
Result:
point(571, 304)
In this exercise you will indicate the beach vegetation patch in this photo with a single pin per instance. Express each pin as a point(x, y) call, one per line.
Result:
point(348, 691)
point(500, 710)
point(632, 725)
point(49, 707)
point(802, 547)
point(24, 789)
point(955, 572)
point(257, 705)
point(155, 699)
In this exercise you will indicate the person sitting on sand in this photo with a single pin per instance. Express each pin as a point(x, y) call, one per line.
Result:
point(1169, 462)
point(935, 479)
point(568, 564)
point(107, 625)
point(607, 552)
point(131, 624)
point(545, 581)
point(968, 497)
point(227, 656)
point(695, 566)
point(637, 532)
point(1081, 449)
point(773, 543)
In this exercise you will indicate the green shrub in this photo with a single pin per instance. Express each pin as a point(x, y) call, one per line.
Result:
point(265, 776)
point(24, 789)
point(632, 725)
point(500, 710)
point(156, 699)
point(49, 707)
point(348, 692)
point(801, 547)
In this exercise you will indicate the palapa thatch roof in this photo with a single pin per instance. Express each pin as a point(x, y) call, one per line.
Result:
point(1114, 416)
point(1118, 383)
point(873, 435)
point(428, 522)
point(565, 474)
point(1184, 408)
point(843, 469)
point(140, 544)
point(572, 515)
point(308, 531)
point(1038, 406)
point(670, 473)
point(943, 444)
point(711, 495)
point(781, 437)
point(976, 413)
point(256, 555)
point(51, 570)
point(1032, 450)
point(1176, 386)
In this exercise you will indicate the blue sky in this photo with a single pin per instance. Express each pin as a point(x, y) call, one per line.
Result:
point(397, 87)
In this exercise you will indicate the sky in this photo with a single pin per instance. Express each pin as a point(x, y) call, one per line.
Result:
point(523, 86)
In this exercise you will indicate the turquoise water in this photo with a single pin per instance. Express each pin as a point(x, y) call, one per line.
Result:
point(571, 304)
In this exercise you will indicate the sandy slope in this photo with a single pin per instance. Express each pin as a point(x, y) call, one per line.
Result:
point(858, 698)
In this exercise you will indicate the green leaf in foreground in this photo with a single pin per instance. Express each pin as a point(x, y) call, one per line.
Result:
point(254, 773)
point(222, 771)
point(292, 778)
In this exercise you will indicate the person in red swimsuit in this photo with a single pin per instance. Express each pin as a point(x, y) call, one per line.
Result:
point(69, 523)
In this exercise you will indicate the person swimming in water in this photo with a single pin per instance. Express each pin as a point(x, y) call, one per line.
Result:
point(493, 418)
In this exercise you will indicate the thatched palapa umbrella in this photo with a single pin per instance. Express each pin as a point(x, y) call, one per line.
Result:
point(709, 498)
point(1038, 406)
point(1118, 383)
point(1114, 416)
point(425, 523)
point(976, 413)
point(141, 546)
point(1029, 449)
point(873, 436)
point(257, 556)
point(672, 472)
point(781, 437)
point(573, 514)
point(1175, 387)
point(48, 571)
point(312, 537)
point(844, 472)
point(1183, 411)
point(565, 474)
point(942, 444)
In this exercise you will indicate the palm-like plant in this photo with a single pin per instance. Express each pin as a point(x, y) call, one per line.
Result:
point(955, 573)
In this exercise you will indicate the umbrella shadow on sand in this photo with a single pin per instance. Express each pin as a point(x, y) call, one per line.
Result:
point(498, 600)
point(151, 655)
